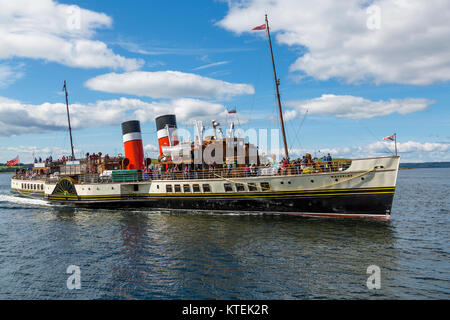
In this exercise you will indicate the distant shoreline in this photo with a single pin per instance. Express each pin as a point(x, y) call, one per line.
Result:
point(424, 165)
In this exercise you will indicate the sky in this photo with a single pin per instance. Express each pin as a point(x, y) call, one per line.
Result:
point(351, 73)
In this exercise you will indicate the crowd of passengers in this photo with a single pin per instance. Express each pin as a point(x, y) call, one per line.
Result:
point(306, 164)
point(284, 167)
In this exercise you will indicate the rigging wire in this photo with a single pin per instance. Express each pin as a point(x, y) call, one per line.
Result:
point(376, 139)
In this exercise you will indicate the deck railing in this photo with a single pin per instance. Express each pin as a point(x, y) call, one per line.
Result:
point(225, 173)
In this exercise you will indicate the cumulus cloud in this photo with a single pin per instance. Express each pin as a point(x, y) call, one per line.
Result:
point(167, 84)
point(358, 108)
point(384, 41)
point(409, 151)
point(289, 115)
point(19, 118)
point(45, 29)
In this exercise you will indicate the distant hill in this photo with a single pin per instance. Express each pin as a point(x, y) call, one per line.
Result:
point(414, 165)
point(4, 168)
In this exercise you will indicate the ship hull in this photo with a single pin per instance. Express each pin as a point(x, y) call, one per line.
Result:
point(374, 202)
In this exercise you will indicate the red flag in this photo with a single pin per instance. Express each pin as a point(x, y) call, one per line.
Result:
point(232, 110)
point(392, 138)
point(261, 27)
point(13, 162)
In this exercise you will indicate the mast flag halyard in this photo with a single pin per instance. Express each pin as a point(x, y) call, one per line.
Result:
point(68, 119)
point(277, 83)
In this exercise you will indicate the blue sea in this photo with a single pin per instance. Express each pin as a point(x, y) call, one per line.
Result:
point(145, 254)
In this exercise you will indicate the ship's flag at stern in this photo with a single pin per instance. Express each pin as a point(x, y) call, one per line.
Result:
point(261, 27)
point(13, 162)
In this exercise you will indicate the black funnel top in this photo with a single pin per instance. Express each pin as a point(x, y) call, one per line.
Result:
point(131, 126)
point(169, 119)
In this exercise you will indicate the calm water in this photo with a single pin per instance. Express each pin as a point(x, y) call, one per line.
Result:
point(173, 255)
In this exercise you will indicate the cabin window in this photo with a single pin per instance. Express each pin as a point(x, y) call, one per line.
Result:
point(168, 188)
point(157, 186)
point(265, 186)
point(228, 187)
point(252, 187)
point(177, 188)
point(186, 188)
point(196, 188)
point(240, 187)
point(135, 187)
point(206, 188)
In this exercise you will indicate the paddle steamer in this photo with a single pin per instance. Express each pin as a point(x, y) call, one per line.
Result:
point(346, 188)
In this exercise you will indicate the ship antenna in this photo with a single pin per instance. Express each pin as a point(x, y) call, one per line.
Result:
point(68, 119)
point(277, 83)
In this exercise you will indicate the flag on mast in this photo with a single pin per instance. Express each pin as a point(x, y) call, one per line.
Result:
point(393, 138)
point(261, 27)
point(13, 162)
point(232, 110)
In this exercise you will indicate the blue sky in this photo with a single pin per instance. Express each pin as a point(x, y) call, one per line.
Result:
point(351, 73)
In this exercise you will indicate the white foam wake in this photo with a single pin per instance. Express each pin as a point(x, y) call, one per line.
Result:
point(23, 201)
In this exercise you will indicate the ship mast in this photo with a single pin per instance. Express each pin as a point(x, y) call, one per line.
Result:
point(68, 119)
point(277, 83)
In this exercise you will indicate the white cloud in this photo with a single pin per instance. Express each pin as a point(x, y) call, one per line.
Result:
point(167, 84)
point(358, 108)
point(410, 151)
point(409, 46)
point(210, 65)
point(9, 74)
point(45, 29)
point(18, 118)
point(151, 151)
point(289, 115)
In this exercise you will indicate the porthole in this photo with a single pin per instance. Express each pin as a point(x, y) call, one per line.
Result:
point(312, 181)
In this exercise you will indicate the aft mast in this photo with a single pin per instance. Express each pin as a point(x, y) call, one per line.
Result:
point(277, 83)
point(68, 119)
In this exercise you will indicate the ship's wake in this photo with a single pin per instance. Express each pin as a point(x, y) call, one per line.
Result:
point(22, 201)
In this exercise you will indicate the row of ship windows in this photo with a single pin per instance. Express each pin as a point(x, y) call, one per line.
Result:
point(30, 186)
point(228, 187)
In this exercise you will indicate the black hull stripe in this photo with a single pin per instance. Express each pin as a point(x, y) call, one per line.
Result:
point(354, 205)
point(235, 195)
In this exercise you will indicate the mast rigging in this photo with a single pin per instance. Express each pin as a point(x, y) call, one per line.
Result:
point(277, 83)
point(68, 119)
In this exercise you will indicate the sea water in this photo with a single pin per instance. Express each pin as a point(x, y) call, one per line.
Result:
point(53, 252)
